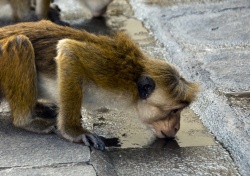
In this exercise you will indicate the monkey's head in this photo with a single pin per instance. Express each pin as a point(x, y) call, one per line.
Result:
point(163, 94)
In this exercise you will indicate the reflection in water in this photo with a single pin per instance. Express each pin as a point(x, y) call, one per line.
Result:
point(94, 25)
point(157, 143)
point(111, 142)
point(164, 143)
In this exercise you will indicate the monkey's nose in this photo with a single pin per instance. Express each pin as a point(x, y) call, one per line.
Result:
point(176, 130)
point(177, 127)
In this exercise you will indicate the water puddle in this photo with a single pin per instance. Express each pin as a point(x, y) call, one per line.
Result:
point(135, 29)
point(192, 131)
point(124, 130)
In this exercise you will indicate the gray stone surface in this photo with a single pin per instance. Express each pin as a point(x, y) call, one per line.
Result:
point(102, 163)
point(59, 170)
point(25, 149)
point(199, 161)
point(168, 160)
point(209, 42)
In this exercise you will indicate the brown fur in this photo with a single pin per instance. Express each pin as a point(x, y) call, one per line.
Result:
point(17, 55)
point(74, 60)
point(171, 81)
point(44, 38)
point(18, 82)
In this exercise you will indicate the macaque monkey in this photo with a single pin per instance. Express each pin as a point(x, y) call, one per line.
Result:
point(22, 9)
point(96, 7)
point(71, 68)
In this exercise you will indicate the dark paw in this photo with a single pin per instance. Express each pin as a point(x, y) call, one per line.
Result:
point(93, 141)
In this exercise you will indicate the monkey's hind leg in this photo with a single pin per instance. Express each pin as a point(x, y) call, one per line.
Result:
point(19, 83)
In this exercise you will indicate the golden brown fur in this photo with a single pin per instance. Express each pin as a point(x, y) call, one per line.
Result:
point(177, 87)
point(66, 66)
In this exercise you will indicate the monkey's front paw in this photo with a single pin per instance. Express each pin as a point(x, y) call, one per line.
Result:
point(94, 141)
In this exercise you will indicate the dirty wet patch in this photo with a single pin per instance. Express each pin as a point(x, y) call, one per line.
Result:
point(240, 103)
point(177, 2)
point(240, 100)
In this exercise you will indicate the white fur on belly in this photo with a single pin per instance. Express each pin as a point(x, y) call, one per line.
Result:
point(47, 89)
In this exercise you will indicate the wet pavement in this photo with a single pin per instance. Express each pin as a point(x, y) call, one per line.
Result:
point(193, 152)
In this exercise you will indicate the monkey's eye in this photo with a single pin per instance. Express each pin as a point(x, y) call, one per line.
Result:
point(174, 111)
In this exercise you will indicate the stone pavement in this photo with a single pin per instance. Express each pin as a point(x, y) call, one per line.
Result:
point(208, 41)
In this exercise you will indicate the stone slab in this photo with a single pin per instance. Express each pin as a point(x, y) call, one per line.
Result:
point(59, 170)
point(198, 161)
point(21, 148)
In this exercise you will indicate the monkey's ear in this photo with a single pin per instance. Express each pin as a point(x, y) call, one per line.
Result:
point(145, 86)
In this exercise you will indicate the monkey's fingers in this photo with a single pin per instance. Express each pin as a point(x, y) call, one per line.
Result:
point(94, 141)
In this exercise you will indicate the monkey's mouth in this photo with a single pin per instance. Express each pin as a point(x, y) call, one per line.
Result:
point(167, 136)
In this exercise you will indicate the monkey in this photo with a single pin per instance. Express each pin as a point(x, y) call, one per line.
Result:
point(97, 7)
point(42, 8)
point(71, 69)
point(35, 10)
point(23, 10)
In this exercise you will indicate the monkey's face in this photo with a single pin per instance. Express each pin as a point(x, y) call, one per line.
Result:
point(158, 108)
point(168, 126)
point(161, 114)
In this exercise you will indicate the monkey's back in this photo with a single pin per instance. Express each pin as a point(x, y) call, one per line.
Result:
point(44, 36)
point(118, 57)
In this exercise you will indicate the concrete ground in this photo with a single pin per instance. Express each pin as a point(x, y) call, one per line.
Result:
point(208, 42)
